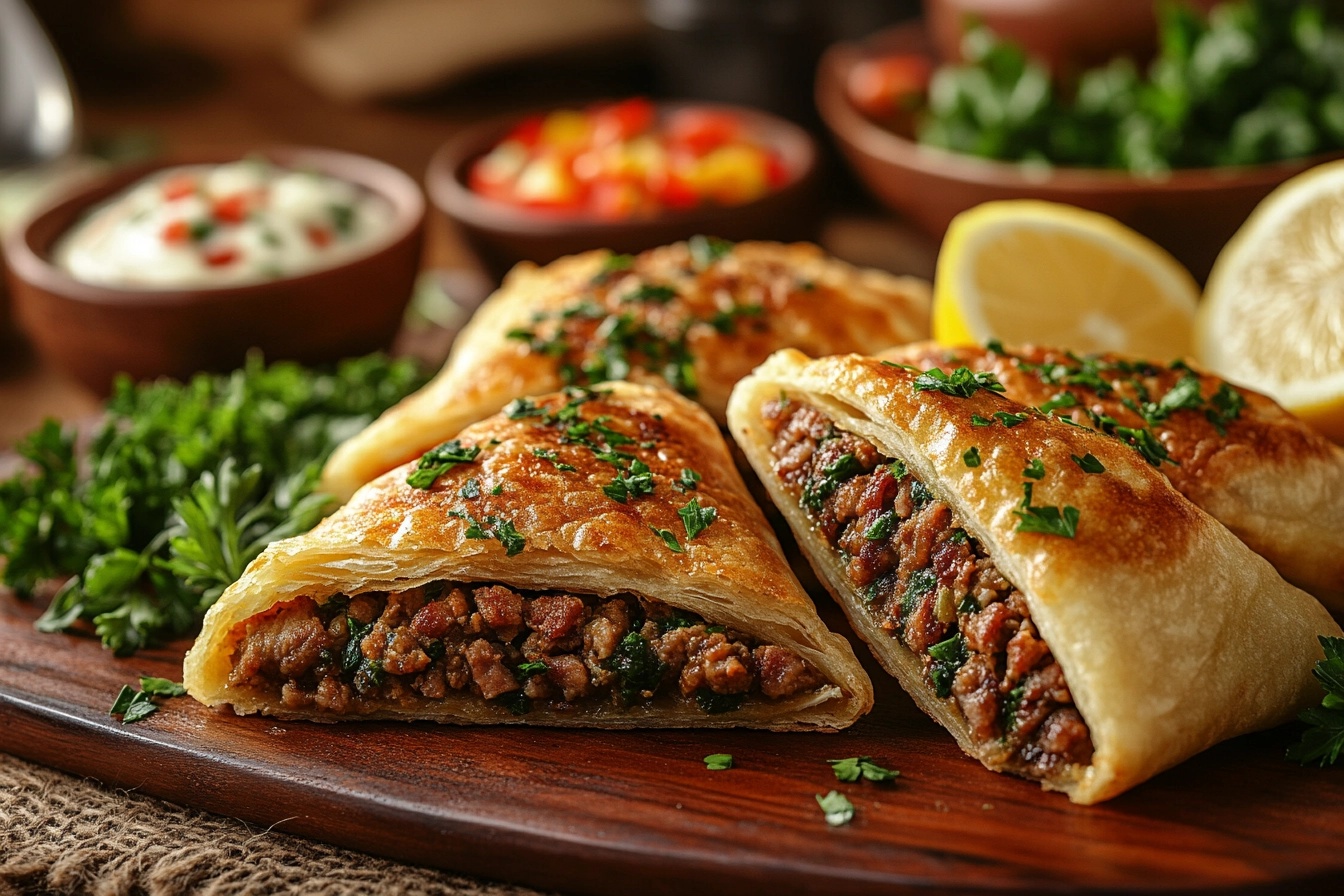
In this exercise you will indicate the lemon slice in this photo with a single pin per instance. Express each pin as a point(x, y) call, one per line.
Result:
point(1273, 314)
point(1024, 271)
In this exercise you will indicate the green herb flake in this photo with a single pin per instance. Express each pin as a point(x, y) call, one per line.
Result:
point(695, 518)
point(961, 383)
point(161, 687)
point(658, 294)
point(498, 489)
point(528, 669)
point(855, 767)
point(977, 420)
point(1035, 469)
point(995, 346)
point(1088, 463)
point(1045, 520)
point(689, 481)
point(718, 762)
point(948, 656)
point(471, 489)
point(881, 527)
point(1061, 400)
point(669, 539)
point(613, 264)
point(633, 482)
point(1225, 405)
point(142, 706)
point(707, 250)
point(123, 701)
point(495, 527)
point(714, 704)
point(550, 455)
point(1323, 739)
point(971, 457)
point(439, 460)
point(637, 666)
point(836, 807)
point(1009, 419)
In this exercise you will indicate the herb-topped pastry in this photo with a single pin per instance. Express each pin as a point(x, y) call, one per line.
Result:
point(1037, 587)
point(1270, 478)
point(589, 557)
point(697, 315)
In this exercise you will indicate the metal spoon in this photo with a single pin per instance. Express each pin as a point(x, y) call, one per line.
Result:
point(37, 108)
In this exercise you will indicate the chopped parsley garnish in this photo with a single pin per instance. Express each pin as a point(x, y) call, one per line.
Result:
point(971, 456)
point(527, 670)
point(550, 455)
point(897, 468)
point(674, 620)
point(695, 518)
point(855, 767)
point(718, 762)
point(689, 481)
point(522, 407)
point(920, 583)
point(1062, 400)
point(962, 382)
point(1144, 442)
point(501, 530)
point(995, 346)
point(958, 536)
point(1009, 419)
point(881, 527)
point(706, 250)
point(1045, 520)
point(948, 656)
point(669, 538)
point(651, 292)
point(161, 687)
point(1035, 469)
point(631, 482)
point(836, 807)
point(1323, 740)
point(1010, 707)
point(1225, 405)
point(517, 703)
point(1088, 463)
point(613, 264)
point(919, 493)
point(498, 489)
point(977, 420)
point(726, 321)
point(471, 489)
point(439, 460)
point(200, 230)
point(816, 491)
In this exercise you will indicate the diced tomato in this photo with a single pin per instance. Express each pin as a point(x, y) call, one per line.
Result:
point(179, 187)
point(319, 236)
point(702, 130)
point(677, 192)
point(224, 255)
point(776, 172)
point(613, 199)
point(528, 131)
point(178, 231)
point(625, 120)
point(231, 209)
point(547, 183)
point(888, 84)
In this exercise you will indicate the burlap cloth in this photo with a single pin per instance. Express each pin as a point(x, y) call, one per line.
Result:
point(60, 834)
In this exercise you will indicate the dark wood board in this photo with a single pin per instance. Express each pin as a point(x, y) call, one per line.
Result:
point(605, 812)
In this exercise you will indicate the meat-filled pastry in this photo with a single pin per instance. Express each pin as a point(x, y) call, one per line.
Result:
point(1037, 587)
point(1270, 478)
point(589, 557)
point(697, 315)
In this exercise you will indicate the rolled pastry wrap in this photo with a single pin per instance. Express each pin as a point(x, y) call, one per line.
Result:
point(1160, 629)
point(1270, 478)
point(559, 531)
point(699, 316)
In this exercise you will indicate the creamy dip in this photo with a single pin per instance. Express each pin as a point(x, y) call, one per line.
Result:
point(222, 225)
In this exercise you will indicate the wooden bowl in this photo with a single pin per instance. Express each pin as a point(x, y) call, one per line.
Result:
point(95, 332)
point(1192, 213)
point(503, 235)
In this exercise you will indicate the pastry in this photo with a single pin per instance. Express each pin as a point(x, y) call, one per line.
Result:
point(698, 315)
point(588, 557)
point(1038, 588)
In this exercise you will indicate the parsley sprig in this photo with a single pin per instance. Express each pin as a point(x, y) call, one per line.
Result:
point(1323, 740)
point(962, 382)
point(855, 767)
point(1047, 520)
point(182, 485)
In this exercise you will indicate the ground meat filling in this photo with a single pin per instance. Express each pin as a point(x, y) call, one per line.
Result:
point(352, 655)
point(928, 583)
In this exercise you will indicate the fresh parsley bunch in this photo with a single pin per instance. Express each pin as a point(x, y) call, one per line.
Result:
point(181, 487)
point(1324, 738)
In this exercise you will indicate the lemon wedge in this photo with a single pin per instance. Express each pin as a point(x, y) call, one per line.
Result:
point(1025, 271)
point(1273, 313)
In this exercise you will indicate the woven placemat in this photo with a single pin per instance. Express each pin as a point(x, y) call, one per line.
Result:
point(64, 835)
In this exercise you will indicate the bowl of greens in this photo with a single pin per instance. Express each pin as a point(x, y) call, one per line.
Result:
point(1180, 148)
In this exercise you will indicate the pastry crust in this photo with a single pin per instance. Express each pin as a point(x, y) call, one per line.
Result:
point(1171, 633)
point(1269, 477)
point(801, 297)
point(393, 537)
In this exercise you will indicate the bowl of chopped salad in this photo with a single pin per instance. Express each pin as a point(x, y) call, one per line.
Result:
point(624, 175)
point(1182, 148)
point(188, 264)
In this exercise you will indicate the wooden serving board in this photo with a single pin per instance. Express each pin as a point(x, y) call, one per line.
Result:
point(615, 812)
